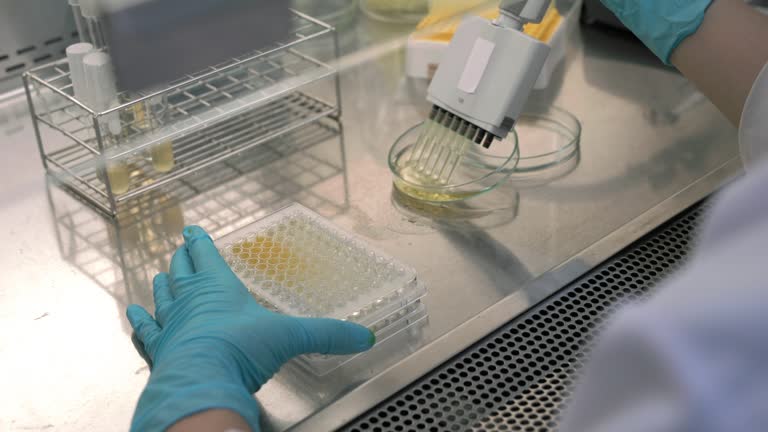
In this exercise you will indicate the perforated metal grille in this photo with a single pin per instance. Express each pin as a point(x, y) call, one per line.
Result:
point(520, 377)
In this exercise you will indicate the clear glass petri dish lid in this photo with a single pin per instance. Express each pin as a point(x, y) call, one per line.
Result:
point(479, 171)
point(549, 140)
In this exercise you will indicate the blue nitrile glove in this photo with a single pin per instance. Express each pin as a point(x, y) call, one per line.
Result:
point(661, 24)
point(212, 346)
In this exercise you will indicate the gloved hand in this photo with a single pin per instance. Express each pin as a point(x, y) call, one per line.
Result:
point(212, 345)
point(661, 24)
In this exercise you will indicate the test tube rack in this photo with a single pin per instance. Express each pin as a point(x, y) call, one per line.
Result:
point(207, 117)
point(123, 254)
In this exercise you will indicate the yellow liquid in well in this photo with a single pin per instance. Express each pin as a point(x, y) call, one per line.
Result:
point(162, 157)
point(310, 270)
point(272, 259)
point(119, 178)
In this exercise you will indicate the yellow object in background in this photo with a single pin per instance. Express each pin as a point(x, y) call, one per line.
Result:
point(447, 13)
point(445, 17)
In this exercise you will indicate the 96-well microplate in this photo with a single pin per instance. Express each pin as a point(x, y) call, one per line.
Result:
point(297, 263)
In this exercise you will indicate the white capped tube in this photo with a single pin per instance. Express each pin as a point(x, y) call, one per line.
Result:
point(90, 11)
point(75, 55)
point(100, 81)
point(89, 8)
point(82, 27)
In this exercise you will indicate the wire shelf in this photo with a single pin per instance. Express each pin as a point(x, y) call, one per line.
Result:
point(122, 254)
point(199, 120)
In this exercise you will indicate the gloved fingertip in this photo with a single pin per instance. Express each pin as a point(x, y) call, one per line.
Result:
point(358, 338)
point(161, 279)
point(328, 336)
point(134, 313)
point(365, 338)
point(141, 321)
point(194, 233)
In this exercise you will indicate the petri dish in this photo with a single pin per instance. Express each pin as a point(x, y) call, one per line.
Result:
point(480, 171)
point(549, 140)
point(549, 136)
point(491, 210)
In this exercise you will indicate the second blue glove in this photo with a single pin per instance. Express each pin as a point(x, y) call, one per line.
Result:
point(661, 24)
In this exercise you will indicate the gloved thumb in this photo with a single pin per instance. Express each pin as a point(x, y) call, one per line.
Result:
point(145, 327)
point(329, 336)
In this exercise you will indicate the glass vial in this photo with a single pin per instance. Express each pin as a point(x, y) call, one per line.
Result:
point(102, 92)
point(163, 158)
point(152, 114)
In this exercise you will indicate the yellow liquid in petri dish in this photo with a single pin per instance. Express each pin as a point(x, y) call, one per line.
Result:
point(163, 160)
point(431, 188)
point(119, 177)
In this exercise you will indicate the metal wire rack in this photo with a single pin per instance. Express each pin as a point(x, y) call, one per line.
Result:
point(203, 119)
point(123, 254)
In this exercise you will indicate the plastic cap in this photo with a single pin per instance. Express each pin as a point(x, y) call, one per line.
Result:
point(99, 79)
point(100, 82)
point(75, 55)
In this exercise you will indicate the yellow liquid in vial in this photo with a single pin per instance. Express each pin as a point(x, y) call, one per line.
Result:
point(119, 178)
point(140, 118)
point(162, 157)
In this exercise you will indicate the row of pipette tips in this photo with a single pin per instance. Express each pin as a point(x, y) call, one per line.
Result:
point(444, 140)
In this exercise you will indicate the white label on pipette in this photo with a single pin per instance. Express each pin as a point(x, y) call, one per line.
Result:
point(476, 65)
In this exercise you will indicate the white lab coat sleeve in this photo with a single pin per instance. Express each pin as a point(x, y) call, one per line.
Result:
point(753, 133)
point(695, 356)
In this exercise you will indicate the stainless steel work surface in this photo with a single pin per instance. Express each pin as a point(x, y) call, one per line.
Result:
point(521, 377)
point(66, 361)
